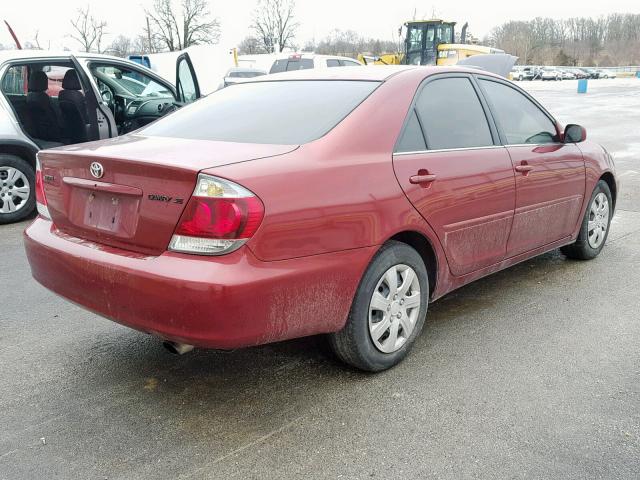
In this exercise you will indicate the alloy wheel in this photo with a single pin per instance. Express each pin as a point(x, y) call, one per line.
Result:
point(394, 308)
point(598, 222)
point(14, 189)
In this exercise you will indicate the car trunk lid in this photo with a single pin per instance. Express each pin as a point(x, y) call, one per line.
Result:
point(139, 185)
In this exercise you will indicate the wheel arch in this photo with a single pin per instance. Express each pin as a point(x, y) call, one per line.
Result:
point(424, 247)
point(609, 179)
point(19, 149)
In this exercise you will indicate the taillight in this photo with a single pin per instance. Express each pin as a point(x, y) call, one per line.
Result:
point(41, 199)
point(219, 218)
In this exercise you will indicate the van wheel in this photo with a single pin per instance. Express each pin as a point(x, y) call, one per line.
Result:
point(388, 311)
point(17, 189)
point(595, 225)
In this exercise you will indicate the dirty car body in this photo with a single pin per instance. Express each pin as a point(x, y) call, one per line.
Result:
point(318, 205)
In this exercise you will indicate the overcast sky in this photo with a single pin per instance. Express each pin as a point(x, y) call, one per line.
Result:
point(378, 19)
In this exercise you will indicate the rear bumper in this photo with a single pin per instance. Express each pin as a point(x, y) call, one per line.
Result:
point(216, 302)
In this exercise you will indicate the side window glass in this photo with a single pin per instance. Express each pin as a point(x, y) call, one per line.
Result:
point(332, 62)
point(412, 138)
point(293, 65)
point(188, 92)
point(349, 63)
point(279, 66)
point(520, 119)
point(452, 115)
point(14, 81)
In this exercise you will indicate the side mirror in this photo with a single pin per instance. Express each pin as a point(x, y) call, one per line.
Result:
point(574, 133)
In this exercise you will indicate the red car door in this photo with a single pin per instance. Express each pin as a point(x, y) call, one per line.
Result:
point(450, 168)
point(550, 176)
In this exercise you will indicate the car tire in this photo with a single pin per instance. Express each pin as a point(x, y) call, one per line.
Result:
point(379, 310)
point(595, 225)
point(17, 189)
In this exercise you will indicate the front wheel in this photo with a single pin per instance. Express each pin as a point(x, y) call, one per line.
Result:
point(595, 225)
point(388, 311)
point(17, 189)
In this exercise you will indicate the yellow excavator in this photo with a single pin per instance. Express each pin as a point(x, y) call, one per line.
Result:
point(430, 42)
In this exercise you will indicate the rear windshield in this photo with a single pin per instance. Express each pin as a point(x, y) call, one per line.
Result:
point(284, 112)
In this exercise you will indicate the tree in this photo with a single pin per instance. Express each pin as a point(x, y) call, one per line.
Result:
point(179, 28)
point(88, 31)
point(121, 46)
point(250, 46)
point(274, 24)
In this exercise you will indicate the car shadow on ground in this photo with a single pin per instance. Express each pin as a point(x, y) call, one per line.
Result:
point(303, 364)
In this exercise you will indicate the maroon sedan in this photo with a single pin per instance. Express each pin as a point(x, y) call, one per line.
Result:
point(335, 202)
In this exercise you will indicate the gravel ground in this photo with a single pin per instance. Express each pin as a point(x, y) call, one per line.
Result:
point(533, 372)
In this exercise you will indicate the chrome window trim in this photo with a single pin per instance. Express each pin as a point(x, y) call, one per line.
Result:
point(440, 150)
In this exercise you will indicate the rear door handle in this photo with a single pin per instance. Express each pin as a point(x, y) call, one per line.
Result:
point(524, 168)
point(421, 179)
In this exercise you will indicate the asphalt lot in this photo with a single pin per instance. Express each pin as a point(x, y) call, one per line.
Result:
point(533, 372)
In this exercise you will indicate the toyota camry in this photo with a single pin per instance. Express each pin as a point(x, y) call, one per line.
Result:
point(338, 202)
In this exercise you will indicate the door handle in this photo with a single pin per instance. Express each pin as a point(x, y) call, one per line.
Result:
point(421, 179)
point(524, 168)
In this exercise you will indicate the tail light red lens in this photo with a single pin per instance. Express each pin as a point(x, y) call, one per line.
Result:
point(219, 218)
point(41, 199)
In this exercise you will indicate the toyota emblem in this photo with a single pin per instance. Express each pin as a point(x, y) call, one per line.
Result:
point(96, 170)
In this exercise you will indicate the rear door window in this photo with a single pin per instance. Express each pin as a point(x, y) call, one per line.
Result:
point(333, 62)
point(412, 138)
point(451, 115)
point(301, 64)
point(521, 120)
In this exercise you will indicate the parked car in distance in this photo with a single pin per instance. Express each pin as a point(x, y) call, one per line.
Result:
point(551, 74)
point(591, 73)
point(240, 74)
point(606, 74)
point(520, 73)
point(578, 73)
point(50, 99)
point(304, 61)
point(334, 202)
point(567, 74)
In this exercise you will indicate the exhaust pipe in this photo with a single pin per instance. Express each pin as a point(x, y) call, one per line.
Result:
point(177, 348)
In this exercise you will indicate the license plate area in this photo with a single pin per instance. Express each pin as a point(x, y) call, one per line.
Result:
point(105, 212)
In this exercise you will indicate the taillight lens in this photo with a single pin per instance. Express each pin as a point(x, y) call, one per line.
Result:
point(219, 218)
point(41, 199)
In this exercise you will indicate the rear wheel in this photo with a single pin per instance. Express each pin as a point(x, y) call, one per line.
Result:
point(595, 225)
point(17, 189)
point(388, 310)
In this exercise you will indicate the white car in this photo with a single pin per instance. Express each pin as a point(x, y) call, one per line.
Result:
point(567, 75)
point(606, 74)
point(50, 99)
point(551, 74)
point(303, 61)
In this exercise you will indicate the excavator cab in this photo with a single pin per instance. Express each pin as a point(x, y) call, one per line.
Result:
point(423, 38)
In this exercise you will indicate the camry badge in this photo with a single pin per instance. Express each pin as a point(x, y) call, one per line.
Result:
point(96, 170)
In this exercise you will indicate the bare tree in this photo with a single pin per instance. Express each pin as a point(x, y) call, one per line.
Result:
point(274, 24)
point(121, 46)
point(88, 31)
point(250, 46)
point(178, 27)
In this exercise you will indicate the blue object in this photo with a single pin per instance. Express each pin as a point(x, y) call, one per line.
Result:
point(638, 74)
point(141, 59)
point(582, 85)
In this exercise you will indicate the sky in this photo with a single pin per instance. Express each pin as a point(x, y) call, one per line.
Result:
point(370, 18)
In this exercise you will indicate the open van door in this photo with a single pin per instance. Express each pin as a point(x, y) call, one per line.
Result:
point(187, 87)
